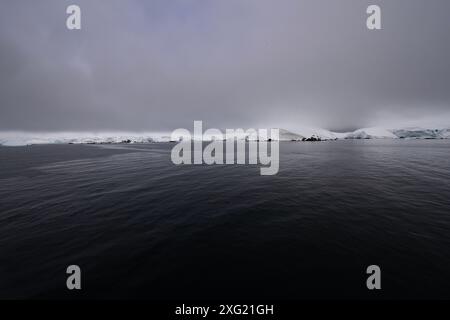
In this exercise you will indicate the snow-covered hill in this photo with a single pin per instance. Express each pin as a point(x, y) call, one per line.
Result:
point(376, 133)
point(298, 134)
point(286, 135)
point(323, 134)
point(26, 138)
point(370, 133)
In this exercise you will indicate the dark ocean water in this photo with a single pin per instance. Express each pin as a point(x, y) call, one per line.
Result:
point(141, 227)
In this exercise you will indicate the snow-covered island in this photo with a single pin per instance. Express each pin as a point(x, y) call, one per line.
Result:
point(11, 138)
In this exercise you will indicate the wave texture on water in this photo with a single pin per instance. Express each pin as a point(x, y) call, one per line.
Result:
point(140, 226)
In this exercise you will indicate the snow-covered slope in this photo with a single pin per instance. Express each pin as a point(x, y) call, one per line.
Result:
point(299, 134)
point(286, 135)
point(323, 134)
point(375, 133)
point(444, 133)
point(370, 133)
point(302, 134)
point(26, 138)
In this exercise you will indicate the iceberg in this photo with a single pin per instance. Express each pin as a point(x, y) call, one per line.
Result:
point(421, 133)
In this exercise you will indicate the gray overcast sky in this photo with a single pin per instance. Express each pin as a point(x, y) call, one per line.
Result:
point(160, 64)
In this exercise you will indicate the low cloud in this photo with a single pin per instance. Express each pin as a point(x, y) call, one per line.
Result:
point(159, 65)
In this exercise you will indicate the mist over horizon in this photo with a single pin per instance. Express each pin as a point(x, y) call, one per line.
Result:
point(157, 66)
